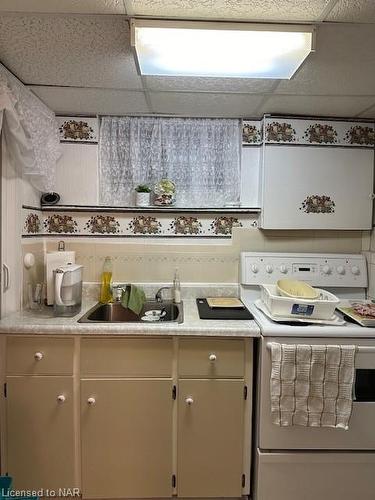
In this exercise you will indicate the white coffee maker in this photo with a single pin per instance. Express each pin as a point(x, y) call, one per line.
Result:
point(68, 290)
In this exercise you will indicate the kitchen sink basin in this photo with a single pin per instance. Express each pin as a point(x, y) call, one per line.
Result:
point(152, 312)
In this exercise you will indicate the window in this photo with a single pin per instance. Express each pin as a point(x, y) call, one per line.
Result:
point(200, 155)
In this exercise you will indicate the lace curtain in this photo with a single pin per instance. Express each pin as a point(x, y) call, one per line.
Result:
point(30, 132)
point(201, 156)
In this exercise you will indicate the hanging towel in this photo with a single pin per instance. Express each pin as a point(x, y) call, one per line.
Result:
point(133, 298)
point(311, 385)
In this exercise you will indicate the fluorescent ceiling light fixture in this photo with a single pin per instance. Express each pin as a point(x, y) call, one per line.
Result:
point(235, 50)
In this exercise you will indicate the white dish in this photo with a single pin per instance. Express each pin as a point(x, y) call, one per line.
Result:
point(156, 313)
point(150, 319)
point(334, 321)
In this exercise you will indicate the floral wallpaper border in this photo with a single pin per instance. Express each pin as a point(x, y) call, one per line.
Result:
point(134, 224)
point(252, 132)
point(313, 132)
point(78, 129)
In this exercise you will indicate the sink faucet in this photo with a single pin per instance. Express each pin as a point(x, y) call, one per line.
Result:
point(158, 295)
point(117, 291)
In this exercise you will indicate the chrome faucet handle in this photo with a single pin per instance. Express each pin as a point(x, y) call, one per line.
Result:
point(158, 295)
point(117, 291)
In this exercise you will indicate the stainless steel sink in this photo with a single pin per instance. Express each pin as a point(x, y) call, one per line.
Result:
point(155, 312)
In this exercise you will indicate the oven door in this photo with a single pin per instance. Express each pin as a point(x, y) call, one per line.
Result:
point(361, 432)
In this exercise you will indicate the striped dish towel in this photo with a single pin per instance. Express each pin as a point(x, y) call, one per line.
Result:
point(311, 385)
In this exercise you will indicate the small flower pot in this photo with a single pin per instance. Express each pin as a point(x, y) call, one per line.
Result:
point(142, 199)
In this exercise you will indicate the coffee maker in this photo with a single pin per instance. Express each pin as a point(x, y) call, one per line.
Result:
point(68, 290)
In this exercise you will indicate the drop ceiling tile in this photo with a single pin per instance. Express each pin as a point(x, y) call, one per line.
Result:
point(343, 64)
point(65, 6)
point(369, 113)
point(71, 101)
point(257, 10)
point(344, 106)
point(82, 51)
point(353, 11)
point(193, 84)
point(205, 104)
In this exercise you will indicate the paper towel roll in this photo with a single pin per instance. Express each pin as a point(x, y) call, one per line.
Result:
point(54, 260)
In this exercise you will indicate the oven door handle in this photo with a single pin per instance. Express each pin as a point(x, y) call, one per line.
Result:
point(362, 349)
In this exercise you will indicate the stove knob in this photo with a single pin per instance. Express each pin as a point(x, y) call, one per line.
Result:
point(269, 269)
point(326, 270)
point(355, 270)
point(283, 269)
point(340, 269)
point(254, 268)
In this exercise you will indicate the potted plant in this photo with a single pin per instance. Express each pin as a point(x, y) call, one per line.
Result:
point(142, 195)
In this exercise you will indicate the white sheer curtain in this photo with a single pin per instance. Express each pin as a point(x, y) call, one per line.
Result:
point(30, 132)
point(201, 156)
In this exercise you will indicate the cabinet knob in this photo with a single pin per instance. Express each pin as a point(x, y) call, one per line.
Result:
point(91, 401)
point(38, 356)
point(212, 357)
point(189, 400)
point(61, 398)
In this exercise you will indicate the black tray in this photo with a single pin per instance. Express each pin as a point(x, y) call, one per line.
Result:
point(207, 312)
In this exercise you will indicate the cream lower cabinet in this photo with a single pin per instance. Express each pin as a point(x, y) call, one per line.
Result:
point(213, 429)
point(129, 417)
point(210, 438)
point(40, 432)
point(126, 435)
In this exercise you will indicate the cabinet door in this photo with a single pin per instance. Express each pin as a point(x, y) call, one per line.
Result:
point(210, 438)
point(317, 188)
point(126, 438)
point(40, 432)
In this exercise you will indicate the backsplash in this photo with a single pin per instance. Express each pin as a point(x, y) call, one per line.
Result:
point(216, 261)
point(189, 291)
point(104, 224)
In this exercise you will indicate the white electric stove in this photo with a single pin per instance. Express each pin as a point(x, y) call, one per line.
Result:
point(343, 275)
point(295, 462)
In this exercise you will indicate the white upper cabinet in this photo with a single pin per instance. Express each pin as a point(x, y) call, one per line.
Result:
point(317, 175)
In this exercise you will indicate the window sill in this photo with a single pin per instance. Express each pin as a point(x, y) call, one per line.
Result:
point(152, 209)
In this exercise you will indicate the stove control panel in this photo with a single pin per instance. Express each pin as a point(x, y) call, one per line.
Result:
point(329, 270)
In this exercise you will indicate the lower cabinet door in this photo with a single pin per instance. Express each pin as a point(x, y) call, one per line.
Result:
point(40, 432)
point(210, 438)
point(126, 438)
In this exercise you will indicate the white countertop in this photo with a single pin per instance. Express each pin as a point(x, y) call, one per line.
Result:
point(44, 323)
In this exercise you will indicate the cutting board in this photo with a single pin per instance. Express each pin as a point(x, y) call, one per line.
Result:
point(232, 302)
point(207, 312)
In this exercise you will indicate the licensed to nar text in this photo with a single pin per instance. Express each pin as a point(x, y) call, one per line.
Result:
point(58, 493)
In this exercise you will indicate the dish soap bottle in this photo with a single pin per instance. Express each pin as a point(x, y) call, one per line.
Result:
point(176, 288)
point(106, 282)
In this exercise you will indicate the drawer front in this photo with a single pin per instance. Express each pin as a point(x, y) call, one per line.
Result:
point(39, 356)
point(211, 358)
point(312, 476)
point(126, 357)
